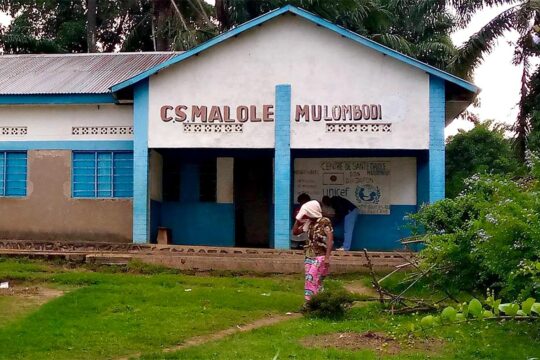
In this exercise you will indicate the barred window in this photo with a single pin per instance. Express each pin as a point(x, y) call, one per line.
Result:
point(102, 174)
point(13, 172)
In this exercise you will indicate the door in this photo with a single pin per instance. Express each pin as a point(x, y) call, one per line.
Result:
point(253, 180)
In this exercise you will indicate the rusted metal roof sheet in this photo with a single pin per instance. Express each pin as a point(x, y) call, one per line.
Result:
point(72, 73)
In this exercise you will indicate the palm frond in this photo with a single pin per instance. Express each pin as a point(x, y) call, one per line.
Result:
point(472, 52)
point(395, 42)
point(465, 9)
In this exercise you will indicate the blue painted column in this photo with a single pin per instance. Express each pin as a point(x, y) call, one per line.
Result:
point(141, 213)
point(437, 114)
point(282, 168)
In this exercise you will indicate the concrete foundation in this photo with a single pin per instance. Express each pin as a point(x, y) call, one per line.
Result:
point(199, 258)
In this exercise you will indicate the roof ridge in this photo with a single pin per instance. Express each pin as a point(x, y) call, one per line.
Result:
point(319, 21)
point(92, 54)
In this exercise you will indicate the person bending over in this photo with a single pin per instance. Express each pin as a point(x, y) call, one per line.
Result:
point(318, 246)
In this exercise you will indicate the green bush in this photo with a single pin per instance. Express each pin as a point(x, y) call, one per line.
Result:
point(486, 237)
point(330, 304)
point(482, 150)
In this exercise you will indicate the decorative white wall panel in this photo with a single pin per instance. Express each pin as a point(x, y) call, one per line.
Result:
point(14, 130)
point(67, 122)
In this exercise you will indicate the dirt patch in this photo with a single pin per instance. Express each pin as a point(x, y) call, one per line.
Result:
point(359, 288)
point(38, 294)
point(375, 341)
point(17, 301)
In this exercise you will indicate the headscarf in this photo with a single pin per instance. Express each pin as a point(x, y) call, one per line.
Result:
point(311, 209)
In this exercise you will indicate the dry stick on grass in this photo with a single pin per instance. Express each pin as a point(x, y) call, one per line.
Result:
point(415, 264)
point(419, 304)
point(374, 281)
point(398, 268)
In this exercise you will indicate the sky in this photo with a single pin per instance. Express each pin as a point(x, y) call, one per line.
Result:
point(496, 76)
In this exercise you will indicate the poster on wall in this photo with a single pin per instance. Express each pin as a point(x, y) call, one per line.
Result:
point(364, 182)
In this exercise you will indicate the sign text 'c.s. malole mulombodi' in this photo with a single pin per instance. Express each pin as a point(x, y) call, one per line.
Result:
point(265, 113)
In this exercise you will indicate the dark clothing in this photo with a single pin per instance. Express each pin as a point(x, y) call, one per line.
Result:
point(342, 207)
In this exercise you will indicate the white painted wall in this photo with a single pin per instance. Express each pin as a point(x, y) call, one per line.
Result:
point(399, 189)
point(156, 176)
point(225, 180)
point(323, 69)
point(54, 123)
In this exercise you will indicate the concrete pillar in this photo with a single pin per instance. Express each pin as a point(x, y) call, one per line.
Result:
point(437, 115)
point(141, 200)
point(282, 168)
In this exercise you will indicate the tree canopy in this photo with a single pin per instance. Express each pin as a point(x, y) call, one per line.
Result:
point(418, 28)
point(482, 150)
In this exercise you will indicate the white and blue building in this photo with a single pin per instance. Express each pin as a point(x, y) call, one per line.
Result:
point(216, 143)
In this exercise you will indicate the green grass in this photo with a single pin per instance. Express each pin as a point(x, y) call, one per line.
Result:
point(491, 341)
point(111, 312)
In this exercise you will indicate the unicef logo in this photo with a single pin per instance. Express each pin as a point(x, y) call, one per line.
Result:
point(368, 193)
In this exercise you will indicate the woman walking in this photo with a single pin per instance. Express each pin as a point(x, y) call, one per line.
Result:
point(318, 247)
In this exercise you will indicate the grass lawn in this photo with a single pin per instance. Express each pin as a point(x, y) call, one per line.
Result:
point(476, 341)
point(105, 313)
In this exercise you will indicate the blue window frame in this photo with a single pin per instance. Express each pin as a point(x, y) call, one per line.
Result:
point(13, 172)
point(102, 174)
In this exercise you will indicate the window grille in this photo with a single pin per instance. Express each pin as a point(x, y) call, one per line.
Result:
point(102, 174)
point(13, 173)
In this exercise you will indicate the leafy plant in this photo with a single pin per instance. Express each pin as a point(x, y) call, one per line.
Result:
point(481, 150)
point(486, 237)
point(330, 304)
point(475, 310)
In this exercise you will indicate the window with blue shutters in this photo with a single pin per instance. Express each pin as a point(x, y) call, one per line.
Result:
point(13, 172)
point(102, 174)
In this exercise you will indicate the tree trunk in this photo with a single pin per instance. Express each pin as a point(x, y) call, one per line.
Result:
point(522, 126)
point(222, 14)
point(161, 12)
point(91, 14)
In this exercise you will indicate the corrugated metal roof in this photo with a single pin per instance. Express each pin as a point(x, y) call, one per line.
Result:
point(72, 73)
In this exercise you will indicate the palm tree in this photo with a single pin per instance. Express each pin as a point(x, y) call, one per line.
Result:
point(162, 25)
point(419, 28)
point(523, 17)
point(180, 24)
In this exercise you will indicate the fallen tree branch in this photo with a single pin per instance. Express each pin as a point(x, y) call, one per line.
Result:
point(374, 280)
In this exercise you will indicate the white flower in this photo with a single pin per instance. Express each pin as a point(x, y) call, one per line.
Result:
point(491, 219)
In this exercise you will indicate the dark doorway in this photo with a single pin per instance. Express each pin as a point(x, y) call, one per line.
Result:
point(253, 180)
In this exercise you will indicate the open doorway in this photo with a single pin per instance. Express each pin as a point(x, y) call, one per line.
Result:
point(253, 180)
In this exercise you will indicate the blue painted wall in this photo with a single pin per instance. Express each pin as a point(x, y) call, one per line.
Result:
point(141, 203)
point(189, 182)
point(382, 232)
point(62, 99)
point(196, 223)
point(379, 232)
point(193, 222)
point(90, 145)
point(282, 168)
point(422, 178)
point(437, 103)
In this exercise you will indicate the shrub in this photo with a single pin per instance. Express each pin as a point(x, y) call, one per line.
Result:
point(486, 237)
point(484, 149)
point(331, 304)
